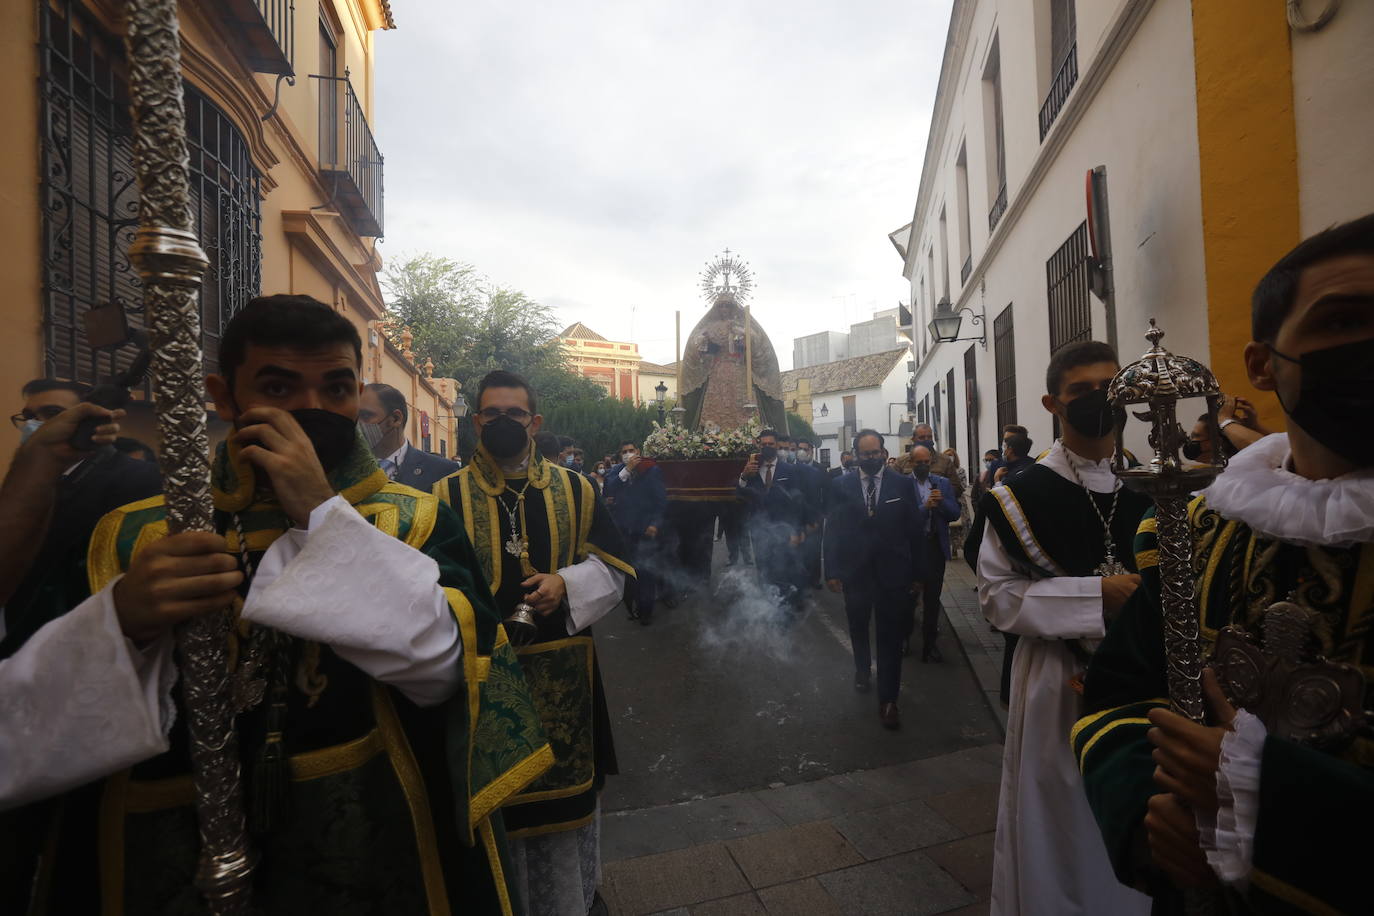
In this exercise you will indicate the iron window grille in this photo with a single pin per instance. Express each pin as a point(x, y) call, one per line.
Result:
point(1004, 363)
point(90, 199)
point(1066, 278)
point(1064, 79)
point(999, 206)
point(349, 157)
point(965, 270)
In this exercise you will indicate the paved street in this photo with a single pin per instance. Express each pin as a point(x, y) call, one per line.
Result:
point(754, 779)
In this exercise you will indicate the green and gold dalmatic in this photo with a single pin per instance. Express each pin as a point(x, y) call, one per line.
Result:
point(560, 522)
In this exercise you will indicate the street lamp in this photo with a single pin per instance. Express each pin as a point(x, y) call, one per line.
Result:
point(825, 411)
point(460, 407)
point(944, 326)
point(660, 392)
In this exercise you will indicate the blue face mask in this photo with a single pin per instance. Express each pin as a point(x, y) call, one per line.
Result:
point(569, 461)
point(30, 427)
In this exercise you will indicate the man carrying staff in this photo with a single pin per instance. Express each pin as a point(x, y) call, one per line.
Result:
point(1185, 805)
point(545, 540)
point(375, 650)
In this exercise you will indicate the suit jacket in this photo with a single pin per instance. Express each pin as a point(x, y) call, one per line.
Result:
point(422, 470)
point(884, 548)
point(638, 504)
point(814, 485)
point(783, 503)
point(943, 514)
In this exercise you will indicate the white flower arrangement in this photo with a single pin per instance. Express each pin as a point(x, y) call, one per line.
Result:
point(678, 442)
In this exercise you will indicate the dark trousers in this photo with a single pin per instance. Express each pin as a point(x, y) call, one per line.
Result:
point(811, 555)
point(863, 599)
point(931, 587)
point(778, 562)
point(692, 523)
point(643, 556)
point(732, 517)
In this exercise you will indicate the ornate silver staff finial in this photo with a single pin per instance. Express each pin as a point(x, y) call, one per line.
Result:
point(1158, 380)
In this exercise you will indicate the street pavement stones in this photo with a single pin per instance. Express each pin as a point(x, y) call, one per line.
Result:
point(896, 829)
point(684, 877)
point(972, 809)
point(968, 860)
point(780, 856)
point(905, 885)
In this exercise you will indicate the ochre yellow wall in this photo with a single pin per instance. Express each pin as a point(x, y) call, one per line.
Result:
point(1247, 144)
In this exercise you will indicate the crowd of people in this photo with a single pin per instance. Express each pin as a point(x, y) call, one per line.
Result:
point(422, 725)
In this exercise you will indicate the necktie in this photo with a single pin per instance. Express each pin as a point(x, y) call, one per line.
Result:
point(389, 467)
point(768, 477)
point(872, 497)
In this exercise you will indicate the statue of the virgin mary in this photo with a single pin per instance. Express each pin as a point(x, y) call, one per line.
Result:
point(714, 379)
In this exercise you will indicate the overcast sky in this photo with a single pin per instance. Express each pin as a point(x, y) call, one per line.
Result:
point(596, 154)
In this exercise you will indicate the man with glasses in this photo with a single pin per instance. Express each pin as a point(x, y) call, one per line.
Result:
point(552, 555)
point(54, 493)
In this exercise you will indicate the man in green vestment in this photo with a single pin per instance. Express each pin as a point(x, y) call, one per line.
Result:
point(545, 539)
point(1238, 802)
point(394, 718)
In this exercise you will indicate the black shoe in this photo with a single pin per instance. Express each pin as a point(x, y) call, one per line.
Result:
point(862, 683)
point(598, 907)
point(931, 653)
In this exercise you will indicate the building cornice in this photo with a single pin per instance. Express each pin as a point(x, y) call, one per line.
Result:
point(306, 230)
point(1126, 22)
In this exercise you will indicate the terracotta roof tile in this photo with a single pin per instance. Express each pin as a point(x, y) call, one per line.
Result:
point(844, 374)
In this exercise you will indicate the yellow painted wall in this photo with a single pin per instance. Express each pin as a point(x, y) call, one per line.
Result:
point(304, 250)
point(1247, 144)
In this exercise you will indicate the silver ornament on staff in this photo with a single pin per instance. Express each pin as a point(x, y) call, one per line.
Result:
point(1158, 381)
point(170, 262)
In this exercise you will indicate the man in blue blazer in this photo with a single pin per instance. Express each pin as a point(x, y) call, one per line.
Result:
point(772, 492)
point(815, 484)
point(873, 540)
point(936, 494)
point(382, 416)
point(637, 498)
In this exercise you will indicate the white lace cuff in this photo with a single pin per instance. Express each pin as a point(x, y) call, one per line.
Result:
point(1228, 836)
point(593, 589)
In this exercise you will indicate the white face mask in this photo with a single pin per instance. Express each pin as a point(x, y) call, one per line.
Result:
point(374, 434)
point(804, 457)
point(625, 458)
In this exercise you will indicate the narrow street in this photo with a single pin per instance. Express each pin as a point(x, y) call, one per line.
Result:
point(754, 779)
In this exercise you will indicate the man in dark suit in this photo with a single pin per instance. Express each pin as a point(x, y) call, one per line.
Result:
point(54, 494)
point(873, 556)
point(936, 495)
point(846, 463)
point(771, 491)
point(382, 416)
point(816, 485)
point(637, 499)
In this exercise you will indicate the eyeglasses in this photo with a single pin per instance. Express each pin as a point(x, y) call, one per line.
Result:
point(518, 414)
point(44, 413)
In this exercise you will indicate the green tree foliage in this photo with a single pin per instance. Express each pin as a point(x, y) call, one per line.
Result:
point(598, 427)
point(469, 326)
point(800, 429)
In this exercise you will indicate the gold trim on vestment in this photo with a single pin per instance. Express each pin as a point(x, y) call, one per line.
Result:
point(496, 793)
point(555, 541)
point(1223, 538)
point(570, 642)
point(1094, 717)
point(1361, 594)
point(542, 829)
point(385, 517)
point(1020, 526)
point(417, 798)
point(498, 873)
point(612, 561)
point(1290, 894)
point(1146, 559)
point(588, 514)
point(422, 522)
point(1130, 720)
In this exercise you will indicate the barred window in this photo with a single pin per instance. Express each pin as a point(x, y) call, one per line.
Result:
point(1066, 282)
point(1004, 359)
point(90, 198)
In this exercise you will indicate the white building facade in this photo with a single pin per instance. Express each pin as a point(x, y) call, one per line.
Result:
point(840, 398)
point(1226, 136)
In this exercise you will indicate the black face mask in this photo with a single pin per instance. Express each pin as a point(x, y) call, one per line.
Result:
point(926, 443)
point(1336, 398)
point(1192, 449)
point(871, 466)
point(1090, 415)
point(504, 438)
point(332, 434)
point(768, 452)
point(922, 471)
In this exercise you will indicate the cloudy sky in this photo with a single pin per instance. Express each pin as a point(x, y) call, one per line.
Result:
point(596, 154)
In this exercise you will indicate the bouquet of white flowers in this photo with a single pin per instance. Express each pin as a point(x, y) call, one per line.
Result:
point(670, 442)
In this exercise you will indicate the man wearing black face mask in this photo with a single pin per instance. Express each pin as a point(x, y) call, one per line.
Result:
point(1292, 518)
point(772, 492)
point(547, 543)
point(1054, 566)
point(359, 603)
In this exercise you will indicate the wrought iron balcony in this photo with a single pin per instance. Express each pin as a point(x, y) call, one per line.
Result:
point(999, 206)
point(266, 29)
point(350, 162)
point(965, 270)
point(1059, 90)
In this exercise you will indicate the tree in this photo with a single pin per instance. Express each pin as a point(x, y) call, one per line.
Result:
point(469, 327)
point(800, 429)
point(598, 427)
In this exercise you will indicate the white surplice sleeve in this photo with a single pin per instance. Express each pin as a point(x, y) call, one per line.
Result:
point(1227, 836)
point(373, 599)
point(1062, 607)
point(78, 701)
point(593, 589)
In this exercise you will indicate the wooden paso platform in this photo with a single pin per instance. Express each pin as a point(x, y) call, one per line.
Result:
point(701, 479)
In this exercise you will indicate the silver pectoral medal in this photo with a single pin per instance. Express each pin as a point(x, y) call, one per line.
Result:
point(514, 546)
point(1110, 565)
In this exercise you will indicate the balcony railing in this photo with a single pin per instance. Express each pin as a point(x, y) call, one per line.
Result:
point(266, 30)
point(1059, 90)
point(965, 270)
point(999, 206)
point(349, 159)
